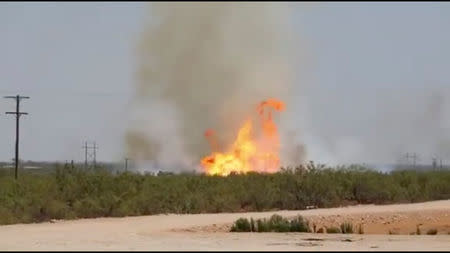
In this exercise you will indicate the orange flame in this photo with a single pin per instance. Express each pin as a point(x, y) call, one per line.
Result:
point(247, 153)
point(211, 136)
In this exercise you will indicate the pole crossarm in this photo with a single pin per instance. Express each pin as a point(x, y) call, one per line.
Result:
point(19, 113)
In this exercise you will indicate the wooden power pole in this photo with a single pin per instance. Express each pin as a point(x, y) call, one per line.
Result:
point(18, 113)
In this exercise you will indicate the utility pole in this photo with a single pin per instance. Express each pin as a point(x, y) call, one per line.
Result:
point(88, 154)
point(18, 113)
point(85, 155)
point(434, 162)
point(413, 156)
point(126, 164)
point(95, 155)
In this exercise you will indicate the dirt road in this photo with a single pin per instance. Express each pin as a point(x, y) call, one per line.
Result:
point(208, 231)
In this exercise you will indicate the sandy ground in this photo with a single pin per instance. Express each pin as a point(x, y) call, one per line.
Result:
point(208, 231)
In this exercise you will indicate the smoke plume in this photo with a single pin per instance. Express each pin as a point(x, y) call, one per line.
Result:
point(207, 65)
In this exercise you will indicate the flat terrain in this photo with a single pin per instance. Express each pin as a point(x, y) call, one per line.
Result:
point(209, 231)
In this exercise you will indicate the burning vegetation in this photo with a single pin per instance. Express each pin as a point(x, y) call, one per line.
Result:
point(249, 152)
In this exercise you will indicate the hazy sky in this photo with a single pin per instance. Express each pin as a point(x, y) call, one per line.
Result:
point(76, 62)
point(373, 73)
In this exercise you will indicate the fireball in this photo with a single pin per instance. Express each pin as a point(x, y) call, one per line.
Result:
point(248, 152)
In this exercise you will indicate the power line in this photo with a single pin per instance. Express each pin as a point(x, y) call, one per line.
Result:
point(72, 93)
point(18, 113)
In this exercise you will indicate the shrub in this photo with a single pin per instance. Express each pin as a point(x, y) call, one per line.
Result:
point(360, 229)
point(241, 225)
point(7, 217)
point(66, 193)
point(276, 223)
point(298, 224)
point(347, 228)
point(262, 225)
point(279, 224)
point(432, 231)
point(59, 210)
point(252, 225)
point(333, 230)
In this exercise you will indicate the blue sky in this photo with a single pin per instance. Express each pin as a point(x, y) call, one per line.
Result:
point(369, 68)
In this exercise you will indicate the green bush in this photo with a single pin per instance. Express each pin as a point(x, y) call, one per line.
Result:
point(241, 225)
point(66, 193)
point(333, 230)
point(276, 223)
point(347, 228)
point(279, 224)
point(252, 225)
point(262, 226)
point(299, 224)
